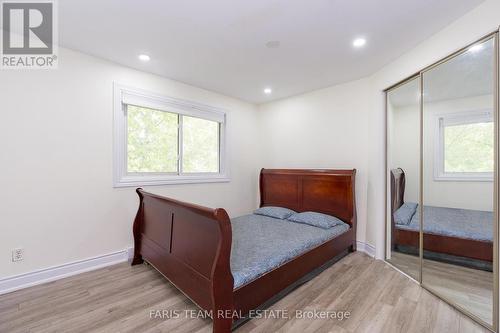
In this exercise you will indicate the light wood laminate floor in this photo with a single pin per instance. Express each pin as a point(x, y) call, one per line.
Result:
point(119, 299)
point(469, 288)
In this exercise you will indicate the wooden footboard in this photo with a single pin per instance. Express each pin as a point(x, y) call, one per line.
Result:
point(190, 245)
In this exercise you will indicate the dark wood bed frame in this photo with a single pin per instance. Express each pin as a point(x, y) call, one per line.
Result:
point(191, 245)
point(454, 246)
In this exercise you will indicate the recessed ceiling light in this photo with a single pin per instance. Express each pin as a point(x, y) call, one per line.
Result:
point(144, 57)
point(359, 42)
point(476, 48)
point(273, 44)
point(268, 91)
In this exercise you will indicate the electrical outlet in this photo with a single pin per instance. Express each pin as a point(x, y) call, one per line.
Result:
point(17, 254)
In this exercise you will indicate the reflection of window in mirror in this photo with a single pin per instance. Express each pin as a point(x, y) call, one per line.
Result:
point(464, 149)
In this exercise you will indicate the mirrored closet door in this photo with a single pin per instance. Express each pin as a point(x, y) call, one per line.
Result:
point(442, 184)
point(458, 187)
point(403, 161)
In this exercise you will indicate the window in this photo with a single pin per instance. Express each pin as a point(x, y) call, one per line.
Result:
point(152, 140)
point(160, 140)
point(200, 145)
point(465, 149)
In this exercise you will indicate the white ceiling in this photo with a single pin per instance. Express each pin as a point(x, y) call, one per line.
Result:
point(220, 45)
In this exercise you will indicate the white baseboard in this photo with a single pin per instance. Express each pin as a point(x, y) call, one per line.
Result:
point(366, 248)
point(17, 282)
point(25, 280)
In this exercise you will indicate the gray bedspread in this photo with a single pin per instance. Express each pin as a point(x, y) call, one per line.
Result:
point(261, 243)
point(463, 223)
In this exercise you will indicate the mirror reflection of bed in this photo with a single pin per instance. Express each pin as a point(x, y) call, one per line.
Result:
point(457, 247)
point(462, 237)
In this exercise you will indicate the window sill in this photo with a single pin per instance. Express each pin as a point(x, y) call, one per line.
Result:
point(462, 178)
point(135, 181)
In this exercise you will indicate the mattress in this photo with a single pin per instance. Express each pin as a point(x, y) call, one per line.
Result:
point(262, 243)
point(454, 222)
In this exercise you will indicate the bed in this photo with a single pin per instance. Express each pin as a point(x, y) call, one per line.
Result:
point(230, 267)
point(461, 235)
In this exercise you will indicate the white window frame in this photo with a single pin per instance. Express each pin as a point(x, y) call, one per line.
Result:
point(124, 96)
point(458, 118)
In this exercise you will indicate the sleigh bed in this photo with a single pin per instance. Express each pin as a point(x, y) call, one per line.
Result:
point(461, 236)
point(230, 267)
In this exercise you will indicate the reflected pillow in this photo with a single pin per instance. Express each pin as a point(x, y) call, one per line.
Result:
point(315, 219)
point(404, 214)
point(276, 212)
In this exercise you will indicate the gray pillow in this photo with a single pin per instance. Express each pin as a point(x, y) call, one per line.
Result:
point(276, 212)
point(315, 219)
point(404, 214)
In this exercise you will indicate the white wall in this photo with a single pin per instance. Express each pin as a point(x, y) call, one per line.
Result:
point(57, 199)
point(403, 148)
point(299, 130)
point(323, 129)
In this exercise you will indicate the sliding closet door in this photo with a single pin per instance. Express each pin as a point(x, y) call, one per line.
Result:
point(403, 165)
point(458, 169)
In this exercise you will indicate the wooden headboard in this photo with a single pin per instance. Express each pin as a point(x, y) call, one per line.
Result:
point(326, 191)
point(398, 181)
